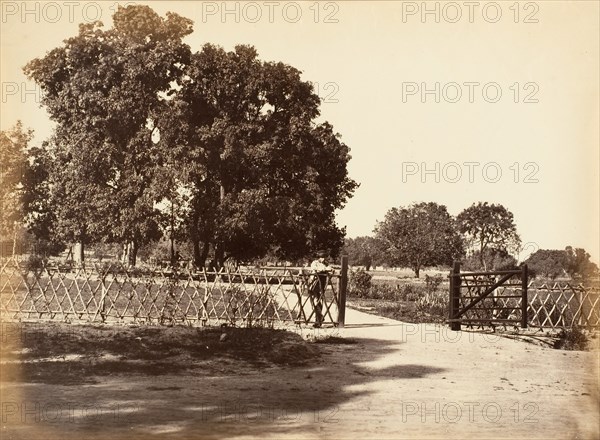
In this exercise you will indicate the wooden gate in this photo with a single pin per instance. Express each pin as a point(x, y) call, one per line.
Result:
point(488, 298)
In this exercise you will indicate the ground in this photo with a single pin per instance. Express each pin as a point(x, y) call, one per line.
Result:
point(376, 378)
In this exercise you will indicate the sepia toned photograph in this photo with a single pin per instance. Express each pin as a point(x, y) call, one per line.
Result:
point(300, 219)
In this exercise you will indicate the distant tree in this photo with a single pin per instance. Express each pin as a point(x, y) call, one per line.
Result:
point(579, 265)
point(494, 259)
point(548, 263)
point(364, 251)
point(488, 226)
point(421, 235)
point(13, 168)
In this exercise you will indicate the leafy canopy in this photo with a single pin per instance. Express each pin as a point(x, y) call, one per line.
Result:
point(232, 140)
point(488, 226)
point(421, 235)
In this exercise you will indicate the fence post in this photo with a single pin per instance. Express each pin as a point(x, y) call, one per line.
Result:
point(454, 295)
point(524, 300)
point(342, 287)
point(103, 298)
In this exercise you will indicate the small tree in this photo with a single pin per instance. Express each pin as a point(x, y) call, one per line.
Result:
point(421, 235)
point(488, 226)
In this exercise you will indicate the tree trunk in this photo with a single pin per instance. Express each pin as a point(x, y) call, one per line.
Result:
point(172, 237)
point(172, 251)
point(79, 253)
point(219, 251)
point(125, 254)
point(132, 257)
point(417, 271)
point(14, 249)
point(196, 250)
point(204, 256)
point(219, 255)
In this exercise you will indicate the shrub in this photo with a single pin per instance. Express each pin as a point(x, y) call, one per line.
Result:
point(433, 282)
point(384, 291)
point(410, 292)
point(35, 262)
point(571, 339)
point(360, 283)
point(434, 304)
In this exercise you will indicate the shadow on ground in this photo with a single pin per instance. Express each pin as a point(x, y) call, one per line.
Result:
point(263, 384)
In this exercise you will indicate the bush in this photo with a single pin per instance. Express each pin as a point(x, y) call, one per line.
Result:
point(433, 282)
point(384, 291)
point(434, 304)
point(360, 283)
point(410, 292)
point(571, 339)
point(35, 262)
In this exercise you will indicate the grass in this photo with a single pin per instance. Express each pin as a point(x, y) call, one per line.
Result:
point(395, 295)
point(63, 353)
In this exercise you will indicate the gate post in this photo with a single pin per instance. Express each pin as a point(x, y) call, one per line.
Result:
point(342, 287)
point(524, 282)
point(454, 295)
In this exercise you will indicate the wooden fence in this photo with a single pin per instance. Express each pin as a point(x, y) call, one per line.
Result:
point(509, 298)
point(563, 305)
point(112, 293)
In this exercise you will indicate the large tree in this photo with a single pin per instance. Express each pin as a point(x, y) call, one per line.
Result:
point(104, 89)
point(488, 226)
point(141, 120)
point(262, 175)
point(421, 235)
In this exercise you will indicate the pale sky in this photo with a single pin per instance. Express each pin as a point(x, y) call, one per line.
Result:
point(372, 60)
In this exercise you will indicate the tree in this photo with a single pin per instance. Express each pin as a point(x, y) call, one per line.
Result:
point(263, 176)
point(103, 89)
point(13, 167)
point(494, 259)
point(547, 263)
point(488, 226)
point(579, 265)
point(422, 235)
point(139, 117)
point(38, 206)
point(364, 251)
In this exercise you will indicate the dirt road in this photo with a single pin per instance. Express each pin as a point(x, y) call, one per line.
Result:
point(380, 379)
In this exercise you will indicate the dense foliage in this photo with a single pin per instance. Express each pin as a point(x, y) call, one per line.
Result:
point(488, 227)
point(422, 235)
point(216, 148)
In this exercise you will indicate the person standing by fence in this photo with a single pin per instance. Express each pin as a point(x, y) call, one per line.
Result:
point(320, 272)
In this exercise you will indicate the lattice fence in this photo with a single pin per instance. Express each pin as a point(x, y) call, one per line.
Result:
point(115, 294)
point(549, 306)
point(563, 305)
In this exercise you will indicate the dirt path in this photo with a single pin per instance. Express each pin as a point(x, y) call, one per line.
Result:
point(383, 379)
